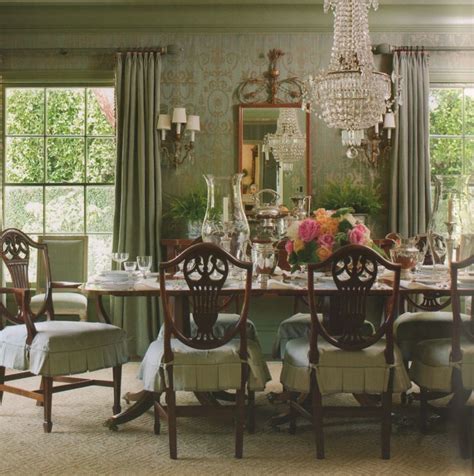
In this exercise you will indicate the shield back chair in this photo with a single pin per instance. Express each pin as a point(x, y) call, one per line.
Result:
point(446, 365)
point(68, 263)
point(50, 349)
point(347, 362)
point(427, 317)
point(226, 318)
point(299, 324)
point(205, 360)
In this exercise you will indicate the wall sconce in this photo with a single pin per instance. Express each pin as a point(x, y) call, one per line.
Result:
point(173, 144)
point(378, 142)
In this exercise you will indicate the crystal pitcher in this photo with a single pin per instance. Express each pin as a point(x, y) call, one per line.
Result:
point(225, 223)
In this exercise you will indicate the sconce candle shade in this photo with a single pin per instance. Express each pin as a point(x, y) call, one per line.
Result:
point(193, 123)
point(179, 115)
point(389, 121)
point(193, 126)
point(164, 122)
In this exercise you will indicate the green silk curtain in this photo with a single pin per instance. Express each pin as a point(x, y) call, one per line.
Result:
point(138, 205)
point(410, 200)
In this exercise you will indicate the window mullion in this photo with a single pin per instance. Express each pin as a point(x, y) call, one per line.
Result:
point(44, 158)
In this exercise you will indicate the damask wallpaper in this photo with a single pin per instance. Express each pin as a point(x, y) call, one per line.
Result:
point(204, 77)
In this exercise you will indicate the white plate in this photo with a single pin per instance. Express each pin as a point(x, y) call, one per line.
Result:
point(113, 276)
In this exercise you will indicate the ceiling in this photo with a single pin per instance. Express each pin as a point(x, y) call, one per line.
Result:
point(215, 2)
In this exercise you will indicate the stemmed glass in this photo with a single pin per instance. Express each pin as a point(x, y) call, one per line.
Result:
point(130, 267)
point(144, 264)
point(119, 258)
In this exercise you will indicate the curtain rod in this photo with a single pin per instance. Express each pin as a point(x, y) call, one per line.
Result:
point(163, 50)
point(386, 49)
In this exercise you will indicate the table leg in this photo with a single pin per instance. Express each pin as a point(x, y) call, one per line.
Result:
point(144, 402)
point(101, 312)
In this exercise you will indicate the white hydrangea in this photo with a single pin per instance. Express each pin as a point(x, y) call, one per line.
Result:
point(292, 230)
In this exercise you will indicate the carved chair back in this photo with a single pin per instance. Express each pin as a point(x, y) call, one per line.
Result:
point(206, 270)
point(354, 271)
point(460, 327)
point(15, 249)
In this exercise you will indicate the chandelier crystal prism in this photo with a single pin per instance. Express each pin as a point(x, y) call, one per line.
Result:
point(288, 143)
point(350, 94)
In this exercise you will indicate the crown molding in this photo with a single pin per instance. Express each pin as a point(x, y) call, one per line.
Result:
point(21, 26)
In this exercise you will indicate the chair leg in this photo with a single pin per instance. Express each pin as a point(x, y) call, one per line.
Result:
point(117, 374)
point(157, 425)
point(423, 410)
point(386, 423)
point(239, 423)
point(292, 414)
point(463, 418)
point(48, 402)
point(317, 402)
point(2, 381)
point(40, 403)
point(171, 408)
point(251, 412)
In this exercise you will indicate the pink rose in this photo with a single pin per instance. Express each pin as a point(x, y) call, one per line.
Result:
point(326, 240)
point(359, 235)
point(309, 230)
point(289, 247)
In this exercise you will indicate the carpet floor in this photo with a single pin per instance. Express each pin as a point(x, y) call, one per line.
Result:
point(80, 444)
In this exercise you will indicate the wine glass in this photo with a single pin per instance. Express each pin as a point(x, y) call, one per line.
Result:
point(119, 258)
point(130, 267)
point(144, 264)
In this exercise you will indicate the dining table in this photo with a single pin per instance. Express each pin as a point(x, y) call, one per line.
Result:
point(430, 294)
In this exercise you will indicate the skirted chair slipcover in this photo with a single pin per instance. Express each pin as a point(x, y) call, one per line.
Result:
point(203, 370)
point(298, 325)
point(410, 328)
point(63, 348)
point(432, 366)
point(225, 321)
point(341, 371)
point(197, 370)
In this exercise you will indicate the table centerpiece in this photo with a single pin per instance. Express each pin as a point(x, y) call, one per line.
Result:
point(314, 239)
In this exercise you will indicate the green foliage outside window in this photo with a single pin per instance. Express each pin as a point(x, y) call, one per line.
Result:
point(58, 141)
point(452, 130)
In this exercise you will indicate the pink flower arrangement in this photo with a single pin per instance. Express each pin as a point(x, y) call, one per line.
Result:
point(359, 235)
point(309, 230)
point(315, 239)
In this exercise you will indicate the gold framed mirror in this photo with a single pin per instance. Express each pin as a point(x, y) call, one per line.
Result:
point(259, 162)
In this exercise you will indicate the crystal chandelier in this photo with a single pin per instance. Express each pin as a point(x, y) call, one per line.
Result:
point(350, 94)
point(288, 143)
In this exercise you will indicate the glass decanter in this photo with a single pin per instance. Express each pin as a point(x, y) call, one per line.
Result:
point(225, 223)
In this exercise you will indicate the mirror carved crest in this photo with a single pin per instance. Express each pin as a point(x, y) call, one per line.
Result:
point(270, 88)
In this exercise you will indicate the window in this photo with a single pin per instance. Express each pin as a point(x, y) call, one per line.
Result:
point(452, 129)
point(59, 164)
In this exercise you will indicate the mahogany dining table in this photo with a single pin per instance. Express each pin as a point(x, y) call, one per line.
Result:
point(276, 287)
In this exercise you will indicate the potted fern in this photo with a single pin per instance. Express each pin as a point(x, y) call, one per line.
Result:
point(364, 199)
point(190, 208)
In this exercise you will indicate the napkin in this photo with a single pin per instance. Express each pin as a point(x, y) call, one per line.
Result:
point(283, 284)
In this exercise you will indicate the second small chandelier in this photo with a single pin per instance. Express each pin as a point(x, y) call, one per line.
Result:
point(288, 143)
